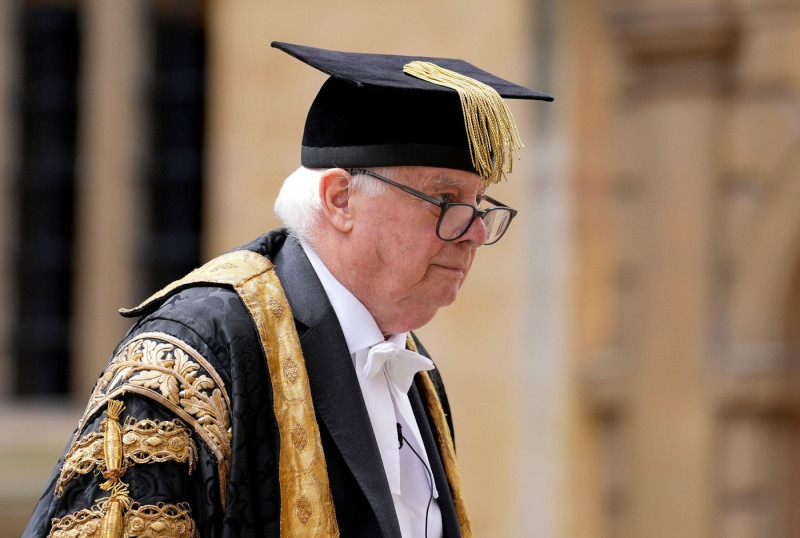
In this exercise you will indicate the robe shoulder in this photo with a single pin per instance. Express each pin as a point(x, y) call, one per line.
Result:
point(189, 376)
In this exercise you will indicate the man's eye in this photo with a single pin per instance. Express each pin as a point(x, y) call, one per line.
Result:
point(445, 197)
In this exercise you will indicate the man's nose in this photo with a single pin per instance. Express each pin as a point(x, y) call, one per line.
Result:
point(477, 232)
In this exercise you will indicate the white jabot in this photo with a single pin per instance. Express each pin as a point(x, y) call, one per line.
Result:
point(387, 403)
point(400, 364)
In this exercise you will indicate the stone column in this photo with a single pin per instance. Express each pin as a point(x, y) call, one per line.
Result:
point(652, 385)
point(108, 205)
point(757, 472)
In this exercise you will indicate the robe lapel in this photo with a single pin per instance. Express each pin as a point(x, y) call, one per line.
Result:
point(450, 527)
point(334, 385)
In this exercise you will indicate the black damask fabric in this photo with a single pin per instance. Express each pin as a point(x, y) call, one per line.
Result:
point(214, 322)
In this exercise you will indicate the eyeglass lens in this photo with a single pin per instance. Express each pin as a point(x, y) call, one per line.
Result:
point(458, 218)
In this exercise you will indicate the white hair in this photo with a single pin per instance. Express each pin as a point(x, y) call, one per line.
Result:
point(298, 204)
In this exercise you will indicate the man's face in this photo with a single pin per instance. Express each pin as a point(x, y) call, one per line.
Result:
point(400, 270)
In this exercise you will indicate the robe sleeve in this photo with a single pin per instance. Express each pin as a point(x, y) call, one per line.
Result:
point(152, 454)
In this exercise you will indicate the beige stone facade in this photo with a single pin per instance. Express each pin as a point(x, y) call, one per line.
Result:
point(622, 364)
point(687, 191)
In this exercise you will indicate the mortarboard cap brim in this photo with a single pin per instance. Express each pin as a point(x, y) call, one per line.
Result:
point(372, 112)
point(386, 70)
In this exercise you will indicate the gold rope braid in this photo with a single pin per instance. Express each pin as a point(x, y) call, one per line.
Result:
point(492, 134)
point(448, 450)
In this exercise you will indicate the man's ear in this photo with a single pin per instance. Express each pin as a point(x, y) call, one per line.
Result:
point(334, 193)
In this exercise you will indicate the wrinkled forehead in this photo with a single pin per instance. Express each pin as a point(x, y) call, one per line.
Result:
point(439, 178)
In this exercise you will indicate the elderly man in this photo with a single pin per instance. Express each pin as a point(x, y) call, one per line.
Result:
point(278, 390)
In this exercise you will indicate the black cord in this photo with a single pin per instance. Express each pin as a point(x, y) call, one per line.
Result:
point(428, 475)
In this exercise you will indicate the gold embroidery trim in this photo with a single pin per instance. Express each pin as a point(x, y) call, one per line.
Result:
point(148, 521)
point(144, 441)
point(448, 451)
point(84, 456)
point(85, 523)
point(233, 269)
point(169, 371)
point(306, 503)
point(153, 441)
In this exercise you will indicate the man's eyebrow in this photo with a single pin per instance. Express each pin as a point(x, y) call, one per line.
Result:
point(446, 181)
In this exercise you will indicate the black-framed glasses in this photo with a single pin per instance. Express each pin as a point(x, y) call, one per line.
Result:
point(456, 217)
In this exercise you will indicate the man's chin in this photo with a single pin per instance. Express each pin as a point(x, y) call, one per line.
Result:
point(447, 297)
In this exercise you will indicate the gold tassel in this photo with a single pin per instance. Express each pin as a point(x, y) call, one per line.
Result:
point(114, 511)
point(119, 501)
point(112, 444)
point(491, 131)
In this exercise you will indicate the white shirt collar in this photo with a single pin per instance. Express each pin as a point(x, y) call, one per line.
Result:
point(359, 327)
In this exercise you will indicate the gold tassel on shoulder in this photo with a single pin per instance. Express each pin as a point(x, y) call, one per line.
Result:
point(112, 444)
point(119, 501)
point(491, 130)
point(114, 511)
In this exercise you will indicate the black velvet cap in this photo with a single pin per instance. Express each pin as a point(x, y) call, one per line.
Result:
point(371, 113)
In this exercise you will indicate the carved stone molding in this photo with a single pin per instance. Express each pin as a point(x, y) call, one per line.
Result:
point(650, 35)
point(759, 377)
point(675, 50)
point(606, 383)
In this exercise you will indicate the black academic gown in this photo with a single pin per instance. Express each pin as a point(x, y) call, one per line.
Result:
point(214, 321)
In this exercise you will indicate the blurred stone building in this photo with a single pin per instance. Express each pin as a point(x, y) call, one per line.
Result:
point(622, 364)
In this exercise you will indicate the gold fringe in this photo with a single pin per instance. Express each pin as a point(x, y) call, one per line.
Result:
point(491, 131)
point(448, 451)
